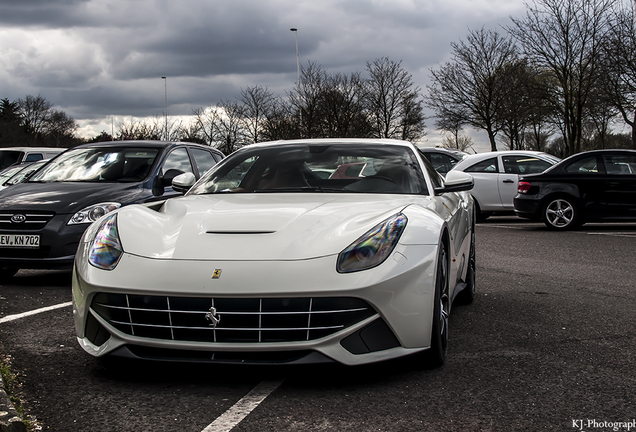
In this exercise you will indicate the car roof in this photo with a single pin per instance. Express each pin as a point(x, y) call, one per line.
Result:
point(348, 141)
point(144, 143)
point(32, 149)
point(451, 152)
point(473, 158)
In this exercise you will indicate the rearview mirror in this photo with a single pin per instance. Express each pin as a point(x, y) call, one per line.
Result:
point(183, 182)
point(456, 181)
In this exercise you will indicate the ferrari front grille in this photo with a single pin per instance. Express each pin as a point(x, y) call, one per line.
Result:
point(230, 320)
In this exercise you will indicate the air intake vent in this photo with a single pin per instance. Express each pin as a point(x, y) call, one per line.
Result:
point(230, 320)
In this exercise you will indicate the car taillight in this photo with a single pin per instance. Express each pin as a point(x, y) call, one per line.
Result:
point(523, 187)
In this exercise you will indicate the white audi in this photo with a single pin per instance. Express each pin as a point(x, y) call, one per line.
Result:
point(269, 259)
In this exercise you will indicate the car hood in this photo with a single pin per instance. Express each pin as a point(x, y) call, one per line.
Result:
point(66, 197)
point(253, 226)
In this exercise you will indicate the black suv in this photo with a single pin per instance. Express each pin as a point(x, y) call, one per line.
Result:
point(43, 219)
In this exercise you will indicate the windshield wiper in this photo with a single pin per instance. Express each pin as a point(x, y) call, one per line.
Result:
point(299, 189)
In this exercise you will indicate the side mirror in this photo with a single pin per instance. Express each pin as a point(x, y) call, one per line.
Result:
point(456, 181)
point(183, 182)
point(168, 176)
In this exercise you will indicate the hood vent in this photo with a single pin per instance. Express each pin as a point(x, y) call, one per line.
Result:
point(239, 232)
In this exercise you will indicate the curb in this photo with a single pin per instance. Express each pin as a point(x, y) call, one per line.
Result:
point(10, 421)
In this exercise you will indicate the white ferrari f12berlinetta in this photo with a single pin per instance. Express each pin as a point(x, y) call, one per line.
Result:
point(288, 252)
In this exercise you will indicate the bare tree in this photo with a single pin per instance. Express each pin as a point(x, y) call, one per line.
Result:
point(472, 87)
point(257, 104)
point(564, 37)
point(453, 123)
point(140, 130)
point(342, 107)
point(34, 112)
point(59, 126)
point(307, 98)
point(221, 126)
point(230, 134)
point(281, 122)
point(619, 80)
point(458, 142)
point(393, 101)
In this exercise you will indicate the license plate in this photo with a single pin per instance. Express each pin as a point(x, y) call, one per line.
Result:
point(19, 241)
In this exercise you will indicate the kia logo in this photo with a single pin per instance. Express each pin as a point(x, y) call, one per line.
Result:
point(18, 218)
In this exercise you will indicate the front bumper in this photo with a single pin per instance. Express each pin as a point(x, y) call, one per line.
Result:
point(58, 245)
point(399, 292)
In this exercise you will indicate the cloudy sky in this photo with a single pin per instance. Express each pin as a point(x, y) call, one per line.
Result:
point(99, 60)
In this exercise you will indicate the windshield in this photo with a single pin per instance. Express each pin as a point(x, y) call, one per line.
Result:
point(357, 168)
point(7, 173)
point(25, 172)
point(99, 165)
point(9, 157)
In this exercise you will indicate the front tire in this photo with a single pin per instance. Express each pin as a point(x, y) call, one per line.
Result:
point(561, 213)
point(481, 216)
point(467, 295)
point(435, 356)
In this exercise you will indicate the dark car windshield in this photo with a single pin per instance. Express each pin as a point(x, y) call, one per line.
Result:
point(99, 165)
point(9, 157)
point(25, 172)
point(358, 168)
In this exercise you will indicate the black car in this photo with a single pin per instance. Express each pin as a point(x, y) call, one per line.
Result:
point(598, 185)
point(43, 219)
point(442, 159)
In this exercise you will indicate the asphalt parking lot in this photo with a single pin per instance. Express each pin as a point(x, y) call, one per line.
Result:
point(548, 345)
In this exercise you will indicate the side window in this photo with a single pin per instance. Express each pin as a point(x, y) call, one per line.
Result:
point(510, 164)
point(485, 166)
point(441, 162)
point(432, 173)
point(586, 165)
point(524, 165)
point(203, 160)
point(620, 164)
point(32, 157)
point(178, 159)
point(533, 165)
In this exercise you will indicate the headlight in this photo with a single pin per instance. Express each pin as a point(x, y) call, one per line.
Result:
point(106, 249)
point(91, 214)
point(373, 247)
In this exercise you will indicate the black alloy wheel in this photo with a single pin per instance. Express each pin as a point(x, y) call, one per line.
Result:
point(480, 215)
point(436, 354)
point(467, 295)
point(561, 214)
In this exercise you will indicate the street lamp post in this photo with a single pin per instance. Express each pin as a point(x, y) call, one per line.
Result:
point(165, 93)
point(300, 111)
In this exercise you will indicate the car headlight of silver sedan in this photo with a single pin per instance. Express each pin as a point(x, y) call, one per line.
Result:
point(91, 213)
point(371, 249)
point(106, 250)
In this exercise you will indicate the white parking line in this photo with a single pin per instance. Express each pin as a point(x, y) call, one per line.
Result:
point(614, 234)
point(223, 423)
point(242, 408)
point(33, 312)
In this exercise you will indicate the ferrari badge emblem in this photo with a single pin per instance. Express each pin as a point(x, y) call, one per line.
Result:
point(213, 316)
point(216, 274)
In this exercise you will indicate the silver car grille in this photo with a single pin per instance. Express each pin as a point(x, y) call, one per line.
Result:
point(230, 320)
point(27, 220)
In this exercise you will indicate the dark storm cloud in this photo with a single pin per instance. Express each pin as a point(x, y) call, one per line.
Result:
point(100, 58)
point(42, 13)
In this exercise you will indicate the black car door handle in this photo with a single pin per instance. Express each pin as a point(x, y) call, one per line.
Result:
point(508, 181)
